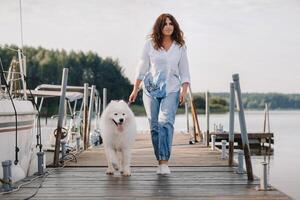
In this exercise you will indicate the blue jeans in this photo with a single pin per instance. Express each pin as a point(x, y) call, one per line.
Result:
point(161, 115)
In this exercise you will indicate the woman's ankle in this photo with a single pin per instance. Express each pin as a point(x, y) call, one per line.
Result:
point(161, 162)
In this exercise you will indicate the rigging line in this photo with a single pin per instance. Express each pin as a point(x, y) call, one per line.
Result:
point(2, 68)
point(39, 131)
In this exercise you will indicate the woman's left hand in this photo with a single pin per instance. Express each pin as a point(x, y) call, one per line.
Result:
point(182, 97)
point(183, 93)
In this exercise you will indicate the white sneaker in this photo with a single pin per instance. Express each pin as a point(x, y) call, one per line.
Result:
point(164, 169)
point(158, 170)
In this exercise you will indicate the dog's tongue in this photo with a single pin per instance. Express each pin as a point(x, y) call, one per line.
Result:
point(120, 127)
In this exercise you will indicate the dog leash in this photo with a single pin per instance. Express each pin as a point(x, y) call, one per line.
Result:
point(129, 103)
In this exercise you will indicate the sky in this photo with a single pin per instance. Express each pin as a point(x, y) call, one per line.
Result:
point(258, 39)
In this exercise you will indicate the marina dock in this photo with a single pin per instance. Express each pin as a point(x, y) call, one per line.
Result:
point(197, 173)
point(256, 139)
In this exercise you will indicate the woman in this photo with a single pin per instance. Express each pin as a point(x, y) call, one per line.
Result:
point(164, 71)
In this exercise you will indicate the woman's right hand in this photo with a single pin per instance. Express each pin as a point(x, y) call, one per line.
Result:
point(135, 91)
point(133, 95)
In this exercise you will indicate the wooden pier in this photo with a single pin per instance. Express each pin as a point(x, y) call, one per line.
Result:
point(256, 139)
point(197, 173)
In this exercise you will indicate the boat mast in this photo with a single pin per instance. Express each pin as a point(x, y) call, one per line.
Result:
point(21, 24)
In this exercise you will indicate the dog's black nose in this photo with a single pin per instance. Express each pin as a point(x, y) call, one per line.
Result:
point(121, 120)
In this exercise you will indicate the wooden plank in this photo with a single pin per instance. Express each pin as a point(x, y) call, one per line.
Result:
point(183, 154)
point(197, 173)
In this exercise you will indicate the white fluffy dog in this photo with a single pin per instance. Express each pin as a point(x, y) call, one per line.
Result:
point(118, 128)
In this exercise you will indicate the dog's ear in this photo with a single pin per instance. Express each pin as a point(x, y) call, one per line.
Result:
point(125, 102)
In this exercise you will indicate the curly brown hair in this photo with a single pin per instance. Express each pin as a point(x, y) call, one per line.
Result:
point(157, 35)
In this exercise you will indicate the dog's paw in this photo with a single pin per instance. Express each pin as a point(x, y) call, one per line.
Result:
point(109, 172)
point(126, 173)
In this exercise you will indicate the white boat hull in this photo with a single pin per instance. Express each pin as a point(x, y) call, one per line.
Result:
point(26, 115)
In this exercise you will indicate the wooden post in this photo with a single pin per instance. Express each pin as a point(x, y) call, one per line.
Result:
point(195, 117)
point(90, 113)
point(187, 117)
point(197, 127)
point(231, 125)
point(207, 111)
point(60, 116)
point(85, 115)
point(243, 128)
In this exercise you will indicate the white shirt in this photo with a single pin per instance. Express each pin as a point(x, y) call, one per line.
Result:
point(174, 61)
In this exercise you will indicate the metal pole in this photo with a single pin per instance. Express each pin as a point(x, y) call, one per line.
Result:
point(66, 112)
point(40, 156)
point(207, 111)
point(63, 149)
point(268, 119)
point(231, 125)
point(240, 169)
point(41, 104)
point(81, 108)
point(264, 177)
point(60, 115)
point(22, 73)
point(6, 166)
point(243, 128)
point(78, 144)
point(70, 108)
point(213, 142)
point(98, 112)
point(25, 65)
point(104, 98)
point(90, 113)
point(223, 156)
point(74, 108)
point(85, 115)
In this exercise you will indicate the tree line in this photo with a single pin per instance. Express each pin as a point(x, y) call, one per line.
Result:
point(45, 67)
point(258, 100)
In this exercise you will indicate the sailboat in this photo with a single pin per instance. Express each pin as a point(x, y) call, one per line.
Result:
point(17, 119)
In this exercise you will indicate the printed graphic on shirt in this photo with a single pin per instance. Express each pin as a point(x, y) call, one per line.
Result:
point(155, 85)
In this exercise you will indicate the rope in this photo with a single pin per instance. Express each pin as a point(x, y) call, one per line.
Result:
point(4, 181)
point(44, 176)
